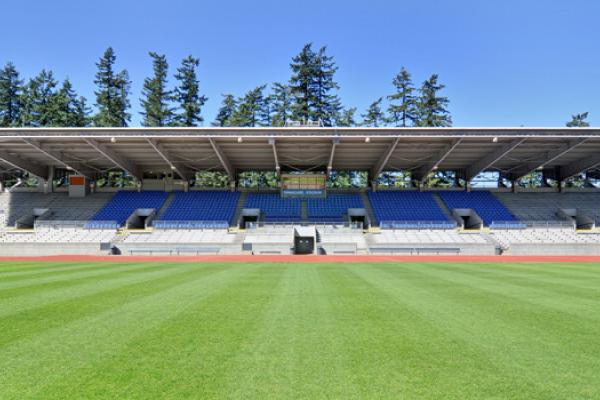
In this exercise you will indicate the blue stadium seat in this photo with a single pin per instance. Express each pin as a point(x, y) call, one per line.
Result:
point(485, 204)
point(408, 209)
point(202, 209)
point(274, 207)
point(333, 207)
point(120, 207)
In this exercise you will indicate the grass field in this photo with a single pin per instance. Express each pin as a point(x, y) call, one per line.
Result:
point(261, 331)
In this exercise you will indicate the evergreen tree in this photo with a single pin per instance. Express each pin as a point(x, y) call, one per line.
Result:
point(157, 98)
point(302, 83)
point(67, 109)
point(188, 93)
point(37, 99)
point(250, 111)
point(281, 104)
point(313, 87)
point(403, 104)
point(374, 116)
point(432, 108)
point(228, 108)
point(346, 117)
point(579, 121)
point(112, 95)
point(10, 96)
point(328, 104)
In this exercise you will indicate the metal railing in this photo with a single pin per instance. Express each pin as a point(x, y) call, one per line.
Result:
point(288, 224)
point(391, 224)
point(102, 225)
point(191, 224)
point(532, 224)
point(59, 224)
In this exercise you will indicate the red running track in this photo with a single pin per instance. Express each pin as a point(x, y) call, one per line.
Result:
point(308, 259)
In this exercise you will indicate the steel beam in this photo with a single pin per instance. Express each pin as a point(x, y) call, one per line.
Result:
point(421, 173)
point(223, 159)
point(334, 143)
point(492, 158)
point(579, 166)
point(121, 162)
point(57, 157)
point(275, 155)
point(550, 156)
point(175, 166)
point(382, 162)
point(38, 170)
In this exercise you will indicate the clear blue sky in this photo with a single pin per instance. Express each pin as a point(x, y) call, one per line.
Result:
point(505, 62)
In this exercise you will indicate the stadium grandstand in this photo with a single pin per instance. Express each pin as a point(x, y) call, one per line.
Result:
point(165, 212)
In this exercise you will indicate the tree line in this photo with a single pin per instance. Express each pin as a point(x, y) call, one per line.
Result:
point(310, 94)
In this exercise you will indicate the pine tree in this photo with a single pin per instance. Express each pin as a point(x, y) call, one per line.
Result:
point(228, 108)
point(112, 96)
point(37, 100)
point(403, 104)
point(157, 99)
point(281, 101)
point(328, 104)
point(579, 121)
point(250, 111)
point(302, 82)
point(67, 109)
point(346, 117)
point(313, 87)
point(432, 109)
point(10, 96)
point(374, 116)
point(188, 93)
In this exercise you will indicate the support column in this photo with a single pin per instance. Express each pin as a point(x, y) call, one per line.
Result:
point(47, 185)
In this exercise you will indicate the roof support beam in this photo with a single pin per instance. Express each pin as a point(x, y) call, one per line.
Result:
point(38, 170)
point(334, 143)
point(382, 162)
point(492, 158)
point(275, 156)
point(116, 159)
point(550, 156)
point(175, 166)
point(223, 159)
point(579, 166)
point(421, 173)
point(57, 157)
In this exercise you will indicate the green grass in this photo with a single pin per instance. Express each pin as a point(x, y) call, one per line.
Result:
point(336, 331)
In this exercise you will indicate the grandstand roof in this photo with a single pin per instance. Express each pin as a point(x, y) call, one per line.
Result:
point(515, 151)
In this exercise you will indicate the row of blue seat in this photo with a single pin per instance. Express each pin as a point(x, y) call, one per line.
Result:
point(484, 203)
point(124, 203)
point(202, 206)
point(390, 207)
point(406, 206)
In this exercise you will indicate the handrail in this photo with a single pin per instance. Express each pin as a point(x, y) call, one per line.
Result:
point(393, 224)
point(191, 224)
point(532, 224)
point(107, 224)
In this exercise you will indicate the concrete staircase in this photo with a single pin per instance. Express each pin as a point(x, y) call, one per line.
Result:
point(165, 206)
point(443, 206)
point(239, 208)
point(369, 209)
point(304, 211)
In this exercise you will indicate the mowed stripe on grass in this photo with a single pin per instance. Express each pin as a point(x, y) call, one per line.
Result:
point(160, 330)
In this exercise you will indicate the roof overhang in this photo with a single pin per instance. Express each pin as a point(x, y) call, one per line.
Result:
point(513, 151)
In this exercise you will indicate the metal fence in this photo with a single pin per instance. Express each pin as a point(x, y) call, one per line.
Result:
point(532, 224)
point(390, 224)
point(191, 224)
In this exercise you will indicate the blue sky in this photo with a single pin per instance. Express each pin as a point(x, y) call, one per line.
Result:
point(505, 62)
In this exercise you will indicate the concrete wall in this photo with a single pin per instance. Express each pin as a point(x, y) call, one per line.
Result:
point(50, 249)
